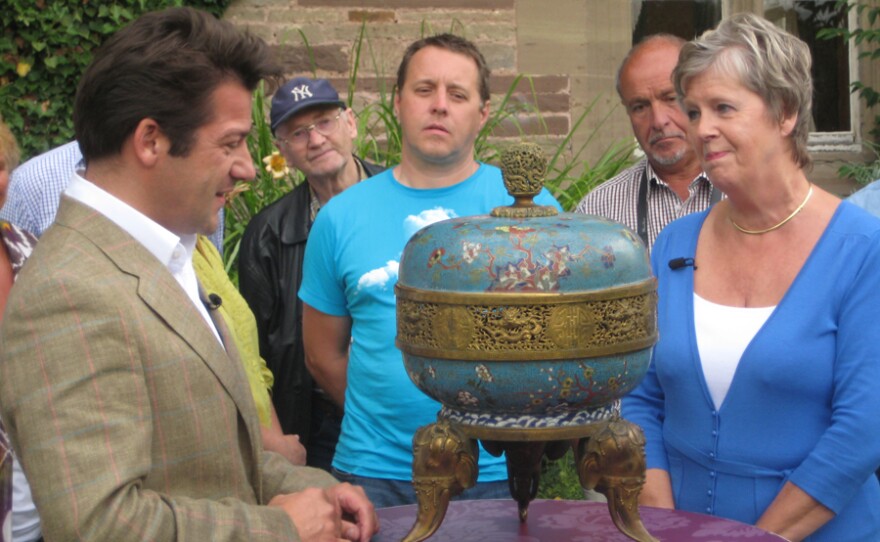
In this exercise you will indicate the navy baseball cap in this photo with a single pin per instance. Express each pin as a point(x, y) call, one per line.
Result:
point(299, 94)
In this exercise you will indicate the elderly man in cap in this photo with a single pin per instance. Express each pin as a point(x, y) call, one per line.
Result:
point(314, 132)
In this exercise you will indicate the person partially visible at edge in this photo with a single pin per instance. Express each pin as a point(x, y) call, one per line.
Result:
point(868, 198)
point(35, 188)
point(18, 516)
point(350, 269)
point(314, 132)
point(668, 182)
point(761, 402)
point(120, 387)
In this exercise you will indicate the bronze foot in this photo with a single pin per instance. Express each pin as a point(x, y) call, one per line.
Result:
point(444, 465)
point(523, 471)
point(612, 461)
point(524, 467)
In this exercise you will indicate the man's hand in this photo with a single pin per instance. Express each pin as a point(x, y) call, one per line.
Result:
point(321, 515)
point(359, 518)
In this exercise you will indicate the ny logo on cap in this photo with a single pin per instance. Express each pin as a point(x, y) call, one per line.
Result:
point(301, 92)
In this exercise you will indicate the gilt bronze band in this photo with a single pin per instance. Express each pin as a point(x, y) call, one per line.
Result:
point(491, 326)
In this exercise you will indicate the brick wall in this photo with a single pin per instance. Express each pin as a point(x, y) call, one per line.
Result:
point(570, 49)
point(319, 37)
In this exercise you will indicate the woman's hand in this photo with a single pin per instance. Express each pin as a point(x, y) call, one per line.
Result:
point(658, 490)
point(276, 441)
point(793, 514)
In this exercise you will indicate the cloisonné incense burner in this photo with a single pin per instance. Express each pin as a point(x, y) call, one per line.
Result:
point(528, 326)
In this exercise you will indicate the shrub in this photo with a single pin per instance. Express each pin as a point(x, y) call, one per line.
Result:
point(559, 479)
point(44, 47)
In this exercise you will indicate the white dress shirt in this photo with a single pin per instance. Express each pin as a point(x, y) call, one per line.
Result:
point(173, 251)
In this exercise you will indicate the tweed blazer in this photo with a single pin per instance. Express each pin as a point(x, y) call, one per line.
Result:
point(131, 420)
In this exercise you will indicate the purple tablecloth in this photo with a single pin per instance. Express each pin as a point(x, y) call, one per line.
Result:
point(562, 521)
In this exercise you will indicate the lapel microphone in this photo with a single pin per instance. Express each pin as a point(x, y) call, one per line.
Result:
point(213, 302)
point(680, 263)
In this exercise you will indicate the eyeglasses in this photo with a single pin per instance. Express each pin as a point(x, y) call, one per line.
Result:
point(301, 136)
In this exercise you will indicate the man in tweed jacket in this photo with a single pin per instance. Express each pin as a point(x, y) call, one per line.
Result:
point(124, 399)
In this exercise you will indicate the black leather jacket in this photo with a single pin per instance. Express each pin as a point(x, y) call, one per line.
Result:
point(270, 273)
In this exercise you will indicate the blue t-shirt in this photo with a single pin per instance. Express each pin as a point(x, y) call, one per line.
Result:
point(350, 269)
point(868, 198)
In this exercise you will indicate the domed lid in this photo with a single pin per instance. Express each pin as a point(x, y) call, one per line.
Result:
point(524, 247)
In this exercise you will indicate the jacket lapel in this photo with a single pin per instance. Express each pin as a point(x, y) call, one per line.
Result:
point(158, 289)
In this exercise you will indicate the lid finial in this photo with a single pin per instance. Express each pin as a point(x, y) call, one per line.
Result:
point(523, 167)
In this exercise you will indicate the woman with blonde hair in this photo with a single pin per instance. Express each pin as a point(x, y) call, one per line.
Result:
point(761, 404)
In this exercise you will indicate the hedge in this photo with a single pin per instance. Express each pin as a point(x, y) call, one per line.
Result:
point(44, 47)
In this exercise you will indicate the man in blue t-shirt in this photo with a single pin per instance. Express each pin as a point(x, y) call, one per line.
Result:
point(349, 320)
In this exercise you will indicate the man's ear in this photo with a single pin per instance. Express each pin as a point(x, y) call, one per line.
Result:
point(350, 122)
point(149, 143)
point(484, 114)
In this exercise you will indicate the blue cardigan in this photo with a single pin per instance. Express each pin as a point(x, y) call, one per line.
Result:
point(804, 403)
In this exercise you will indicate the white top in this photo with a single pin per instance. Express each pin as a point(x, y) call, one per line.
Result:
point(723, 334)
point(25, 518)
point(174, 252)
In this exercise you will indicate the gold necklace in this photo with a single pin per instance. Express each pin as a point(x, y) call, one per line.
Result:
point(777, 226)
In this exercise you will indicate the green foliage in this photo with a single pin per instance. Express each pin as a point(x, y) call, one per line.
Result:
point(44, 47)
point(379, 138)
point(559, 479)
point(249, 197)
point(570, 186)
point(863, 174)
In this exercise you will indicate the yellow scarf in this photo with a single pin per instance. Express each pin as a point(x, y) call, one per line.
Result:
point(240, 321)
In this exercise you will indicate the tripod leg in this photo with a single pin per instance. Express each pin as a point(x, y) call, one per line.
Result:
point(444, 465)
point(612, 461)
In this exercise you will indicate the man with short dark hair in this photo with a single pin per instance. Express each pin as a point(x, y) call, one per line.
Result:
point(669, 182)
point(122, 391)
point(349, 321)
point(314, 131)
